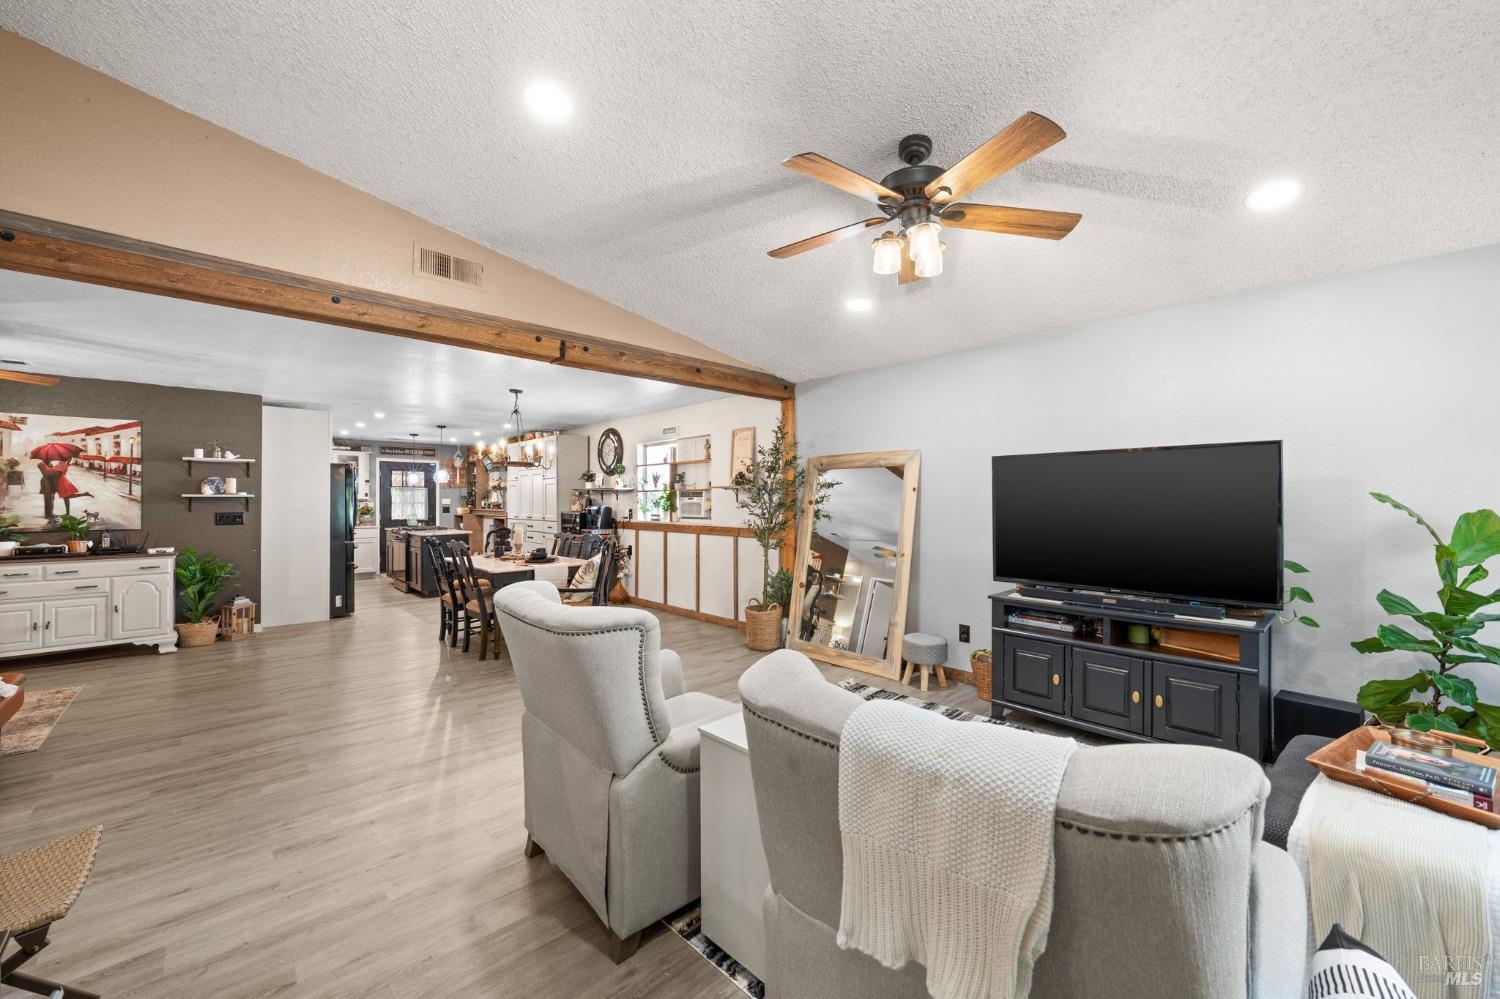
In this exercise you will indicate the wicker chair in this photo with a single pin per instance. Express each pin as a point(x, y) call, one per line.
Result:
point(41, 885)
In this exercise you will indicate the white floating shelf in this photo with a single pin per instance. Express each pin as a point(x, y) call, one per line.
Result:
point(221, 461)
point(218, 495)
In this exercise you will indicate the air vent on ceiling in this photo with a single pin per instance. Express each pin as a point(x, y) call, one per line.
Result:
point(446, 267)
point(669, 431)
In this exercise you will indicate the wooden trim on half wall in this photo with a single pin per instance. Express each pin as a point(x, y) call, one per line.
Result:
point(728, 622)
point(57, 249)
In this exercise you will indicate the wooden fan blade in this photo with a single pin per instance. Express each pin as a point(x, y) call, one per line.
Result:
point(908, 269)
point(824, 169)
point(1015, 144)
point(1016, 221)
point(823, 238)
point(29, 379)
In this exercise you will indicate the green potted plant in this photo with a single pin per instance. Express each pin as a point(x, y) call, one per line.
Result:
point(1435, 697)
point(200, 577)
point(768, 492)
point(365, 513)
point(77, 529)
point(10, 538)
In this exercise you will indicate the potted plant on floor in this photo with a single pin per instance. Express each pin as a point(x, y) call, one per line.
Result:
point(768, 492)
point(200, 577)
point(9, 536)
point(77, 529)
point(1416, 702)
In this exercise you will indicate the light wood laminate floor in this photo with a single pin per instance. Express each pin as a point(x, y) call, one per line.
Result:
point(330, 809)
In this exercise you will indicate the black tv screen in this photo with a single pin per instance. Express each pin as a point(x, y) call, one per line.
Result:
point(1192, 523)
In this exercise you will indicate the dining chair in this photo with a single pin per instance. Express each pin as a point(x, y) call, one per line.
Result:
point(478, 599)
point(596, 593)
point(450, 607)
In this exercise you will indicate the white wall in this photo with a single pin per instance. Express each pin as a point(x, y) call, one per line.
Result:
point(717, 418)
point(1377, 380)
point(295, 485)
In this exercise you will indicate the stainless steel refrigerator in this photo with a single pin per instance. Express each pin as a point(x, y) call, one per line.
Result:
point(342, 503)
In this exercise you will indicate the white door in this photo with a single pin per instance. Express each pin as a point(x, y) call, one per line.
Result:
point(143, 607)
point(877, 622)
point(549, 500)
point(364, 556)
point(20, 627)
point(75, 621)
point(536, 487)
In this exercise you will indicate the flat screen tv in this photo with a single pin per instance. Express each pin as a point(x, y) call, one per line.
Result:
point(1198, 523)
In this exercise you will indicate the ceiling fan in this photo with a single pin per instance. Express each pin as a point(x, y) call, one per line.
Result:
point(922, 198)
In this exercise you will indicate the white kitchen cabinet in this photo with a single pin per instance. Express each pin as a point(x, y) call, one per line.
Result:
point(71, 621)
point(366, 550)
point(70, 603)
point(20, 627)
point(143, 606)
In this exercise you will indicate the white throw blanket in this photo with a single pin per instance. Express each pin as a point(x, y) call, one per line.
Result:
point(1417, 886)
point(947, 830)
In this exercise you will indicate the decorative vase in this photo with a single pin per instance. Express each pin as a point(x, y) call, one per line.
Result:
point(8, 548)
point(191, 635)
point(77, 546)
point(763, 627)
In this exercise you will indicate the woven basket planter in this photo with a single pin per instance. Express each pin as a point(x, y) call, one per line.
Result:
point(763, 627)
point(982, 668)
point(193, 635)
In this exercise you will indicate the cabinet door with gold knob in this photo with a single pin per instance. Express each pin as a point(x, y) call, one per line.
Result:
point(1033, 674)
point(1194, 705)
point(1105, 688)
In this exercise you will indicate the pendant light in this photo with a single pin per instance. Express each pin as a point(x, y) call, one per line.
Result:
point(442, 474)
point(516, 425)
point(888, 249)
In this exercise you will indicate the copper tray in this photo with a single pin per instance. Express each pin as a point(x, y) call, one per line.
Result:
point(1336, 760)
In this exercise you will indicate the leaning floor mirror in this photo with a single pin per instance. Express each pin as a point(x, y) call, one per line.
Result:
point(854, 547)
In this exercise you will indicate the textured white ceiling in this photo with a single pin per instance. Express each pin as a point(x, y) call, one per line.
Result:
point(664, 190)
point(66, 328)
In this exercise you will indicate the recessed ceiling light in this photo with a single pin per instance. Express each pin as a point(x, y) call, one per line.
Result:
point(1274, 194)
point(476, 433)
point(361, 425)
point(548, 101)
point(343, 433)
point(507, 426)
point(859, 305)
point(379, 416)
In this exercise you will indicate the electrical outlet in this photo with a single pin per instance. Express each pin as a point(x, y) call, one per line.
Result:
point(963, 633)
point(229, 520)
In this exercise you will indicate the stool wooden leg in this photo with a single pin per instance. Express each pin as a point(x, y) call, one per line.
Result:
point(942, 680)
point(905, 672)
point(925, 668)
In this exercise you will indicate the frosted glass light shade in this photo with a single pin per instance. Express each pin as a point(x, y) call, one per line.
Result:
point(922, 241)
point(930, 265)
point(888, 250)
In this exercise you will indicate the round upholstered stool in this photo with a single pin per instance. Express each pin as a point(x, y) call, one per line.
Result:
point(926, 652)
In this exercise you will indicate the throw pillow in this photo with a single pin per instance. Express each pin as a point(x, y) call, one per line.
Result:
point(1344, 968)
point(584, 579)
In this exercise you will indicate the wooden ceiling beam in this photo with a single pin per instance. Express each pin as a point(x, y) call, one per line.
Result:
point(57, 249)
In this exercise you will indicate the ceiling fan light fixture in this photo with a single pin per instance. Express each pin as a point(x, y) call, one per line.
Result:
point(931, 264)
point(888, 249)
point(922, 241)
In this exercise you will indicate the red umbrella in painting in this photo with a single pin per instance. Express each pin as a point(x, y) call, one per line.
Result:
point(56, 451)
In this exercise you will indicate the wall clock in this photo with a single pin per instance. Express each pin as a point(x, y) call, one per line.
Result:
point(611, 451)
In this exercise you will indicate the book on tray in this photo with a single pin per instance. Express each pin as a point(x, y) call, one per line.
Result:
point(1466, 783)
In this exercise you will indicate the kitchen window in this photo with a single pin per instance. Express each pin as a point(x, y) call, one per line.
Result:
point(408, 495)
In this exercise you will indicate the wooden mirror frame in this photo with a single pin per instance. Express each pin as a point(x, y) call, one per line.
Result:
point(908, 465)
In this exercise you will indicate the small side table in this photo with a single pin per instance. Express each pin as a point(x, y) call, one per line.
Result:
point(12, 704)
point(734, 872)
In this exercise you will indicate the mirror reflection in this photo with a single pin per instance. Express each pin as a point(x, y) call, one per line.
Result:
point(850, 571)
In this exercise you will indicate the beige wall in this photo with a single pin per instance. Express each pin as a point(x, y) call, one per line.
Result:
point(83, 148)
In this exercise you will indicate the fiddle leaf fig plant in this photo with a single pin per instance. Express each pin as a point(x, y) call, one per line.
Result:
point(1435, 697)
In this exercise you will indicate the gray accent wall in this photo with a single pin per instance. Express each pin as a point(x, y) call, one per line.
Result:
point(1376, 380)
point(173, 422)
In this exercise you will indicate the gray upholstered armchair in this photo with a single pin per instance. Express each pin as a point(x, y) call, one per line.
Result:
point(1163, 886)
point(609, 739)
